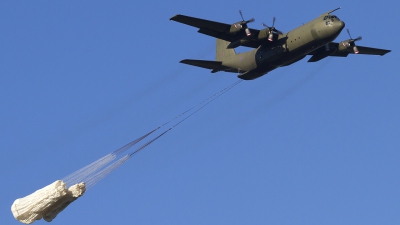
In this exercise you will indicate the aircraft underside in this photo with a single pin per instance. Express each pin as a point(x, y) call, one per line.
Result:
point(268, 60)
point(272, 48)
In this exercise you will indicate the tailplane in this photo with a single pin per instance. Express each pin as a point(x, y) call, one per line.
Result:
point(214, 66)
point(222, 53)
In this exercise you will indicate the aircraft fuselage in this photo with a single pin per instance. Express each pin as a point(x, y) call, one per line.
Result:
point(290, 48)
point(271, 47)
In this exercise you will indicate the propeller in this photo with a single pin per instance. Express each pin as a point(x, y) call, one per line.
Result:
point(351, 42)
point(272, 29)
point(244, 23)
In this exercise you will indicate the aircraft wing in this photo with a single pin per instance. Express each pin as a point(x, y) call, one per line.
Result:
point(319, 53)
point(217, 29)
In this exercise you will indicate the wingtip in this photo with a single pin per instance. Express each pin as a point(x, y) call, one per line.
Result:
point(172, 18)
point(387, 51)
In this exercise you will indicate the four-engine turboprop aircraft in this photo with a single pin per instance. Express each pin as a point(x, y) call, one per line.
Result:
point(273, 48)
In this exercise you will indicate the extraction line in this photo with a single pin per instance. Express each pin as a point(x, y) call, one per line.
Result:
point(79, 175)
point(99, 175)
point(202, 102)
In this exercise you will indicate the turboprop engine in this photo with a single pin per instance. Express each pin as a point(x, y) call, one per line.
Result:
point(241, 25)
point(350, 43)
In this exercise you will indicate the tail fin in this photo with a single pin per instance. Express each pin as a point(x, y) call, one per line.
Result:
point(223, 53)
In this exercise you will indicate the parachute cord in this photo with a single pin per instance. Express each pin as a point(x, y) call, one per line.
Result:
point(88, 170)
point(202, 102)
point(209, 101)
point(129, 145)
point(99, 175)
point(148, 143)
point(96, 171)
point(80, 174)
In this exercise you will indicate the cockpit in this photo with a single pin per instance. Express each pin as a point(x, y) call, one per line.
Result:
point(329, 19)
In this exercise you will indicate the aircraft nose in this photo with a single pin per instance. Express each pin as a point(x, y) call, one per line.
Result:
point(337, 27)
point(340, 25)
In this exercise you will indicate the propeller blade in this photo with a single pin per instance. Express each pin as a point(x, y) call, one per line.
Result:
point(251, 20)
point(348, 32)
point(358, 39)
point(240, 12)
point(243, 21)
point(353, 40)
point(272, 28)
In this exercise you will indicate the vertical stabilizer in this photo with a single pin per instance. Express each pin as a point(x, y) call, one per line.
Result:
point(222, 53)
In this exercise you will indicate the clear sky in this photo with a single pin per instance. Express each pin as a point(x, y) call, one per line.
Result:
point(312, 143)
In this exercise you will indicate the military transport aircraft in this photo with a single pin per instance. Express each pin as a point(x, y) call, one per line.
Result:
point(273, 48)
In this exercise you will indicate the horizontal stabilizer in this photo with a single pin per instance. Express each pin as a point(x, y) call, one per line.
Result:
point(215, 66)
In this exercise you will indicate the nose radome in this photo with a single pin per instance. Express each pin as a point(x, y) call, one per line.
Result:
point(341, 25)
point(338, 27)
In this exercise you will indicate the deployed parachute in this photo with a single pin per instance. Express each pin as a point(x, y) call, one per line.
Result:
point(49, 201)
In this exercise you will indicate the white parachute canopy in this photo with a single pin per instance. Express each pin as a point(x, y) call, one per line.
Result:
point(49, 201)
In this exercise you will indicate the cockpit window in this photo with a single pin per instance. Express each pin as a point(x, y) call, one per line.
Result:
point(331, 17)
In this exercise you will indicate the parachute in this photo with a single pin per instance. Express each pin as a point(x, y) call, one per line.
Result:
point(49, 201)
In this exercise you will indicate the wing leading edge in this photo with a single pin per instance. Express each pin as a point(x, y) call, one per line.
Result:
point(216, 29)
point(321, 52)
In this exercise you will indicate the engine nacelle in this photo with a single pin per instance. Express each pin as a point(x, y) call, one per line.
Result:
point(242, 25)
point(236, 27)
point(344, 45)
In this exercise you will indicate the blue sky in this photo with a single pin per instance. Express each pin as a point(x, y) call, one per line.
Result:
point(313, 143)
